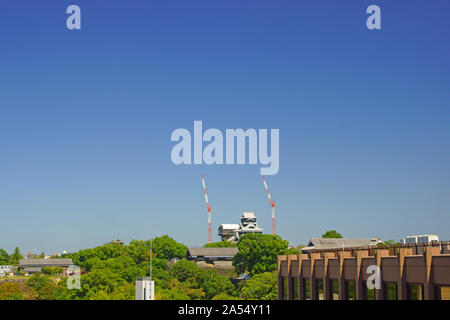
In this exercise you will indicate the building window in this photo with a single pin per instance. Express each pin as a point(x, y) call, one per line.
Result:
point(285, 292)
point(350, 290)
point(294, 288)
point(319, 283)
point(307, 289)
point(442, 293)
point(370, 293)
point(415, 292)
point(334, 290)
point(390, 291)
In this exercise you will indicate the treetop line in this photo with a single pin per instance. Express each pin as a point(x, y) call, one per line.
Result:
point(373, 21)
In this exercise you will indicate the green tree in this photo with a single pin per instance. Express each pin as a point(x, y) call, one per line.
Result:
point(46, 270)
point(44, 286)
point(220, 244)
point(161, 277)
point(64, 293)
point(156, 264)
point(124, 292)
point(292, 251)
point(139, 250)
point(37, 281)
point(190, 288)
point(390, 242)
point(199, 283)
point(100, 295)
point(171, 294)
point(124, 266)
point(52, 271)
point(167, 248)
point(88, 257)
point(15, 257)
point(258, 253)
point(224, 296)
point(4, 257)
point(213, 284)
point(185, 271)
point(331, 234)
point(100, 280)
point(261, 287)
point(10, 291)
point(47, 291)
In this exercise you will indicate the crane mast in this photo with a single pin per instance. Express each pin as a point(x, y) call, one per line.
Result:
point(272, 204)
point(208, 207)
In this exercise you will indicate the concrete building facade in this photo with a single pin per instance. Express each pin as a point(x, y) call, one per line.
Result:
point(405, 273)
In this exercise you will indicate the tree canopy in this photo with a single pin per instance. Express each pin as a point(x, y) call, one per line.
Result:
point(4, 257)
point(16, 291)
point(112, 270)
point(331, 234)
point(258, 253)
point(194, 278)
point(44, 286)
point(15, 256)
point(167, 248)
point(220, 244)
point(261, 287)
point(109, 272)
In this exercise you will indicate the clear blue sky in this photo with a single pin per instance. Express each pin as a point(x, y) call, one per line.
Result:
point(86, 118)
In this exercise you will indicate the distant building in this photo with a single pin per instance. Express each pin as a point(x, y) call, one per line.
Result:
point(232, 232)
point(117, 241)
point(5, 270)
point(228, 231)
point(248, 224)
point(420, 239)
point(340, 243)
point(36, 265)
point(218, 258)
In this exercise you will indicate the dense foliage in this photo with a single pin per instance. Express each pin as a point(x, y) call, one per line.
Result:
point(331, 234)
point(52, 271)
point(220, 244)
point(258, 253)
point(261, 287)
point(16, 291)
point(15, 256)
point(109, 272)
point(4, 257)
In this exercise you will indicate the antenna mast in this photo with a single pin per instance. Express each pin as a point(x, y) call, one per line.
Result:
point(151, 257)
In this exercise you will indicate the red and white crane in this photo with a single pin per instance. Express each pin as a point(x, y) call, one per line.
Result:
point(272, 203)
point(208, 206)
